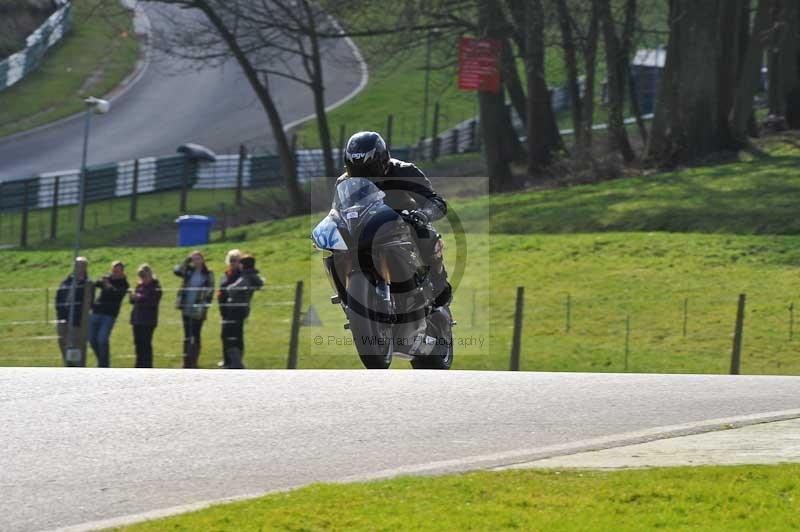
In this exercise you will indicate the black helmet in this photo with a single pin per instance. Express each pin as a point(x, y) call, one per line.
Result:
point(366, 155)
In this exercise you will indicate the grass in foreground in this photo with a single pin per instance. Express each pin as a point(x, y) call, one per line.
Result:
point(701, 498)
point(99, 52)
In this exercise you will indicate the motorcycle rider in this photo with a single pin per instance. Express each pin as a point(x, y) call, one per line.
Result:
point(409, 193)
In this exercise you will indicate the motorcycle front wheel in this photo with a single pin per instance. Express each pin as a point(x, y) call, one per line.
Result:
point(373, 338)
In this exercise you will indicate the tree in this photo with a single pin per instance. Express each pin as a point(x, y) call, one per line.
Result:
point(617, 61)
point(784, 62)
point(750, 73)
point(580, 39)
point(267, 38)
point(688, 124)
point(499, 137)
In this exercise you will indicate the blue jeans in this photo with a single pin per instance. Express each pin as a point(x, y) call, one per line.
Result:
point(100, 326)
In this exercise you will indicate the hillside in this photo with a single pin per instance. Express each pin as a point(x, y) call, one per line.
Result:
point(660, 260)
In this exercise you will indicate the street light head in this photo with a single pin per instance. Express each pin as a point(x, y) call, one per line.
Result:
point(100, 106)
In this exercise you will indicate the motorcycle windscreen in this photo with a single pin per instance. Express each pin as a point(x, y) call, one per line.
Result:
point(356, 194)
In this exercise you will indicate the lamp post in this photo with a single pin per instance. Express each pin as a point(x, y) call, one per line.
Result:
point(101, 107)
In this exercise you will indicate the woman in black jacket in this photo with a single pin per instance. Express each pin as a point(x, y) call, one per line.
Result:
point(194, 298)
point(144, 315)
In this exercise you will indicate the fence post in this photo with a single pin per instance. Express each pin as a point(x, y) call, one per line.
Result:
point(736, 356)
point(23, 233)
point(435, 135)
point(627, 339)
point(134, 190)
point(184, 185)
point(389, 127)
point(240, 174)
point(455, 141)
point(517, 340)
point(472, 130)
point(474, 297)
point(568, 324)
point(224, 216)
point(685, 315)
point(54, 209)
point(294, 338)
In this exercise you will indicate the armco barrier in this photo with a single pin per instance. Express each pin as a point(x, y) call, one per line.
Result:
point(18, 65)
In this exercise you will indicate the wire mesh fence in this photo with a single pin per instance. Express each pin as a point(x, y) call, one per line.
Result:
point(672, 333)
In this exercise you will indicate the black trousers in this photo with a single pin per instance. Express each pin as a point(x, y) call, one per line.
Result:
point(233, 334)
point(191, 341)
point(143, 340)
point(430, 247)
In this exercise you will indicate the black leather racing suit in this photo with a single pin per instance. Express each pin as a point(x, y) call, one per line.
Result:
point(407, 189)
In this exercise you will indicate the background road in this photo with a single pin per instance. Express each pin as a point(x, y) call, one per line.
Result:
point(172, 104)
point(86, 445)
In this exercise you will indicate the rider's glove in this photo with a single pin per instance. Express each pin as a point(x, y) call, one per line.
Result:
point(417, 218)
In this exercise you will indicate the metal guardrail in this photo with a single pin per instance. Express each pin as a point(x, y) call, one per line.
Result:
point(18, 65)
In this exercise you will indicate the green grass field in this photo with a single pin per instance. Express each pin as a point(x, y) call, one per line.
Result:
point(635, 251)
point(699, 498)
point(99, 52)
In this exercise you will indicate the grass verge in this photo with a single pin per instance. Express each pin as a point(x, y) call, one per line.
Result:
point(699, 498)
point(99, 52)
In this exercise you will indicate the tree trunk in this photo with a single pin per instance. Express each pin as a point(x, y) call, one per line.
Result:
point(499, 153)
point(750, 74)
point(512, 81)
point(688, 126)
point(636, 109)
point(590, 62)
point(789, 62)
point(616, 62)
point(318, 87)
point(264, 96)
point(498, 135)
point(543, 136)
point(573, 83)
point(730, 26)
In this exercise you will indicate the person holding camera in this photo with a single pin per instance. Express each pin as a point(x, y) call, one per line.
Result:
point(72, 334)
point(194, 298)
point(239, 293)
point(144, 315)
point(105, 310)
point(232, 273)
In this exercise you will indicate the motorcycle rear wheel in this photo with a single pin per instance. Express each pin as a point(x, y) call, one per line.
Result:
point(442, 355)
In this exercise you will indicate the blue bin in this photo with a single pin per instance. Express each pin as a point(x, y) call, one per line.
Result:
point(194, 230)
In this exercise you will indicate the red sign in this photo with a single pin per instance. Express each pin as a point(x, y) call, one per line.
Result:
point(478, 65)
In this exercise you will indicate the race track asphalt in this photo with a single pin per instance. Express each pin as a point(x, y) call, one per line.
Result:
point(173, 103)
point(88, 445)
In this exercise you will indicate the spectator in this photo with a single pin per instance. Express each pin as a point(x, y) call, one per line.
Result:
point(240, 294)
point(73, 335)
point(231, 275)
point(105, 310)
point(144, 315)
point(194, 298)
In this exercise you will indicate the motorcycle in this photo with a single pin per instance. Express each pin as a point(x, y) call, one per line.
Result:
point(373, 262)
